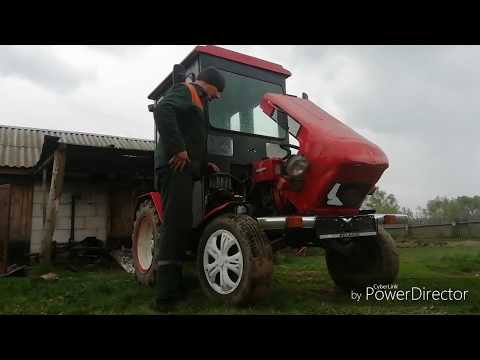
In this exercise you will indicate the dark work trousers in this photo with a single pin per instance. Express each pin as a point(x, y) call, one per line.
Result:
point(176, 190)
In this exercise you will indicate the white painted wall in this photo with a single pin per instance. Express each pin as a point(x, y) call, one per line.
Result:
point(91, 213)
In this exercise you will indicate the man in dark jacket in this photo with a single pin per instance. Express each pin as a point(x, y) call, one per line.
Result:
point(180, 159)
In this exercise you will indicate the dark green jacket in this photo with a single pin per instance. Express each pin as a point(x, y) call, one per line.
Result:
point(182, 126)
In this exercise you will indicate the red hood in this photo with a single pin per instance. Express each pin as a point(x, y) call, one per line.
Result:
point(326, 131)
point(337, 153)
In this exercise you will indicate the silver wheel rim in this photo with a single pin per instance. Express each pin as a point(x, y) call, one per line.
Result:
point(223, 262)
point(145, 245)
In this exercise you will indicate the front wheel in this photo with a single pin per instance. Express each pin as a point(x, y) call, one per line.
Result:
point(234, 260)
point(371, 260)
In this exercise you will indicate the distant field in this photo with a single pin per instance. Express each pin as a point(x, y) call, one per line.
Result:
point(301, 285)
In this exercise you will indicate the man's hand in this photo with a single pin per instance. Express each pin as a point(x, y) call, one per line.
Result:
point(212, 168)
point(178, 161)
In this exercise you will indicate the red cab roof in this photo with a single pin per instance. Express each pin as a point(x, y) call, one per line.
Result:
point(243, 59)
point(225, 54)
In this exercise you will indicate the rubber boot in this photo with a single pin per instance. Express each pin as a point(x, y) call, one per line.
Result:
point(168, 287)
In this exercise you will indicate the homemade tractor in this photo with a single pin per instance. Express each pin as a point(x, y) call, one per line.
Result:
point(291, 175)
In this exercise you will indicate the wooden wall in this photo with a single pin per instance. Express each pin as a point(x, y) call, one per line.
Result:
point(122, 199)
point(17, 242)
point(20, 223)
point(4, 225)
point(122, 203)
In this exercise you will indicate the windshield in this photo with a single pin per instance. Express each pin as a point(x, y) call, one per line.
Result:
point(239, 108)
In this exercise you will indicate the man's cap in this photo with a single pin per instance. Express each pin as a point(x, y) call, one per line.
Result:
point(212, 76)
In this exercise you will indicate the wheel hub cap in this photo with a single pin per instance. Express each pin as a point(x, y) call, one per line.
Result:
point(223, 262)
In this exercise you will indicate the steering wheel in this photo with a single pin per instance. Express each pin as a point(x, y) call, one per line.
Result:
point(287, 147)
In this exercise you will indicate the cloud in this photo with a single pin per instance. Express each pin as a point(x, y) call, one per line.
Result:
point(39, 65)
point(391, 88)
point(120, 50)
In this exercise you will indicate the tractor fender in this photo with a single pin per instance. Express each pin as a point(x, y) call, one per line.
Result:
point(156, 199)
point(217, 211)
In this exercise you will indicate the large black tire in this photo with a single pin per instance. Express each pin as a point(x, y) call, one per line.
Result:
point(146, 228)
point(372, 260)
point(248, 240)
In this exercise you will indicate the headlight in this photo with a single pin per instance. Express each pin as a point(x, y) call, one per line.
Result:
point(297, 165)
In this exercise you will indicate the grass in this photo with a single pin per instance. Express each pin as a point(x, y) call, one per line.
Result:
point(301, 285)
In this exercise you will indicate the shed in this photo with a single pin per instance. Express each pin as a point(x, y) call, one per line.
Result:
point(103, 176)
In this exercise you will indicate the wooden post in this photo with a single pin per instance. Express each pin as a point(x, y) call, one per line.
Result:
point(55, 194)
point(44, 196)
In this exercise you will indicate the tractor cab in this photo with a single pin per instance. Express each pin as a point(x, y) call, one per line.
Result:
point(240, 133)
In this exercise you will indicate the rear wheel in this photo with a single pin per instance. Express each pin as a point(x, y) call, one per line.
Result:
point(371, 260)
point(145, 233)
point(235, 261)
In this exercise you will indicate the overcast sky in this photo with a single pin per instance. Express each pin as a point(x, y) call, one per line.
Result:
point(418, 103)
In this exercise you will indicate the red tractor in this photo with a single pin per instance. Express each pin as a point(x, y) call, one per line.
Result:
point(271, 193)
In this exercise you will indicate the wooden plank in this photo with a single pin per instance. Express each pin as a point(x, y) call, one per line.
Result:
point(122, 204)
point(16, 205)
point(15, 171)
point(44, 196)
point(28, 211)
point(109, 215)
point(21, 207)
point(4, 225)
point(56, 187)
point(47, 161)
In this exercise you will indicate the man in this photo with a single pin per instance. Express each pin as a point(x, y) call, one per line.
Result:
point(180, 159)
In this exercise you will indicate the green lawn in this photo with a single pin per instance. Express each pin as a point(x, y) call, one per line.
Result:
point(301, 285)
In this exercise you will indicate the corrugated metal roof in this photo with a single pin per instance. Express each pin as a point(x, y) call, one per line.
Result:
point(21, 146)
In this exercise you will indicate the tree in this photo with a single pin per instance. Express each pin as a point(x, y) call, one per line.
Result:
point(468, 207)
point(383, 202)
point(408, 212)
point(443, 209)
